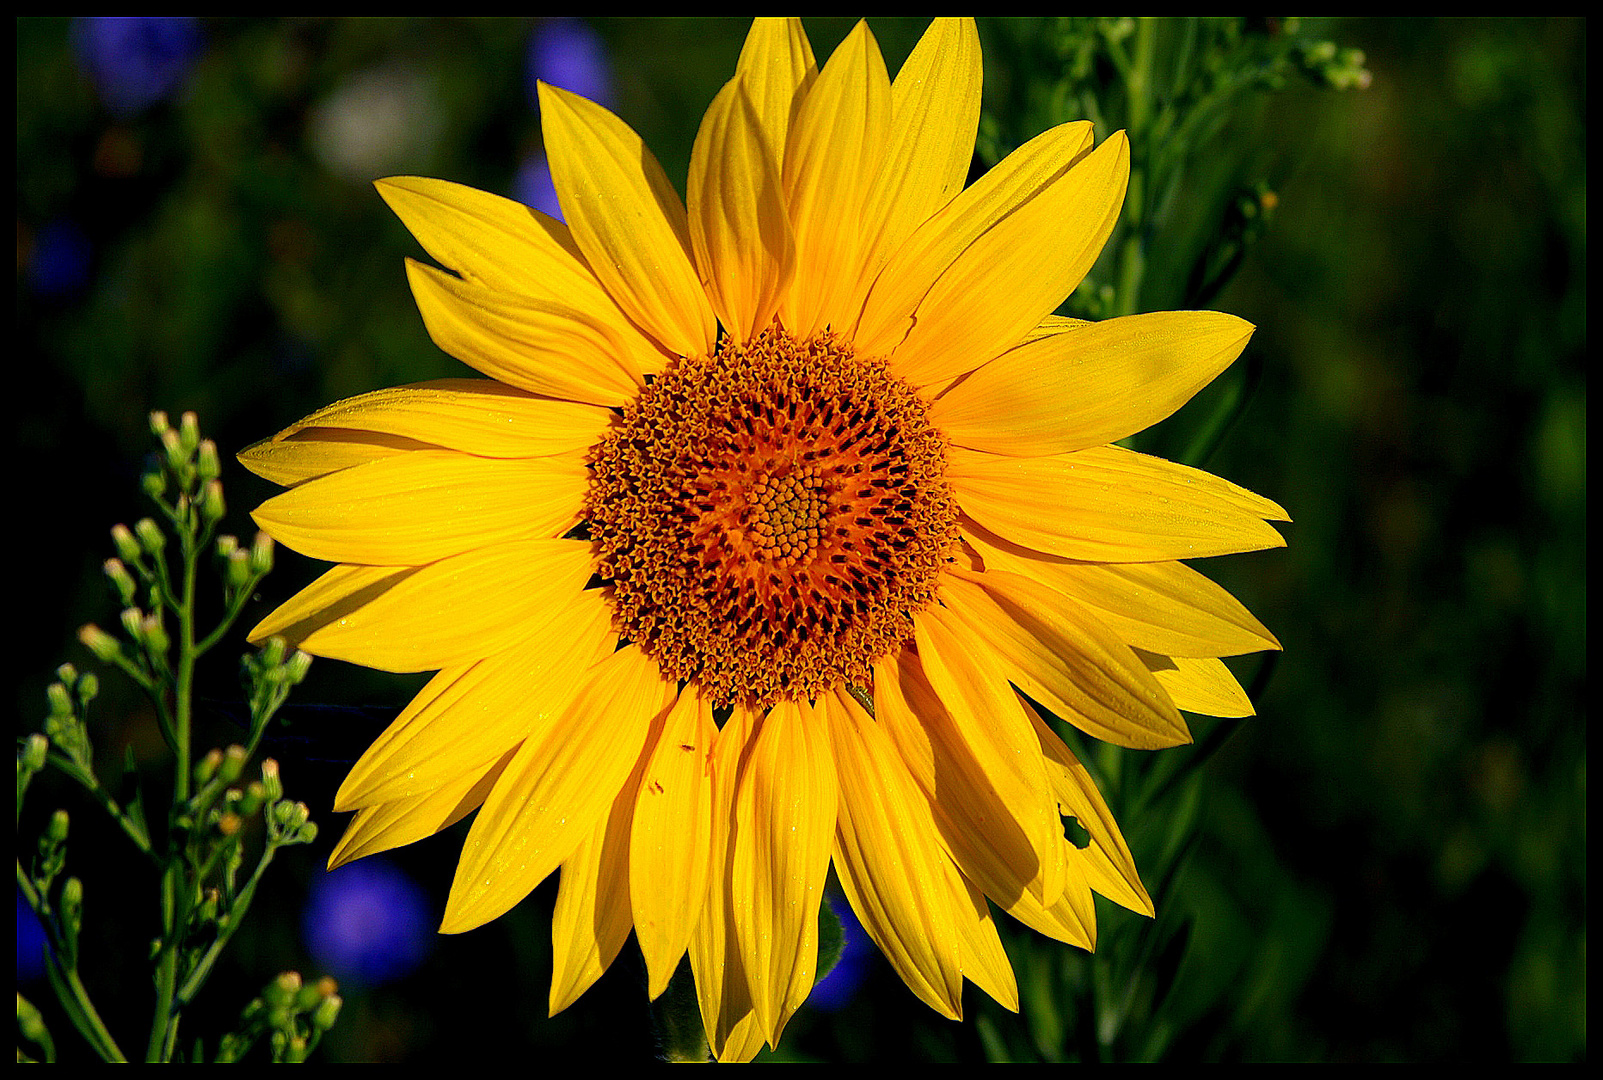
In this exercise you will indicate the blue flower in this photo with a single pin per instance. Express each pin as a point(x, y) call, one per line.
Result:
point(135, 62)
point(368, 923)
point(567, 53)
point(837, 989)
point(570, 54)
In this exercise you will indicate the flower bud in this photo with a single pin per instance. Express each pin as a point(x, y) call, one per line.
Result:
point(206, 464)
point(173, 447)
point(35, 752)
point(30, 1022)
point(326, 1013)
point(282, 990)
point(154, 634)
point(211, 501)
point(206, 767)
point(291, 816)
point(254, 795)
point(56, 831)
point(234, 759)
point(150, 536)
point(120, 580)
point(272, 785)
point(261, 554)
point(158, 423)
point(189, 433)
point(272, 654)
point(296, 667)
point(125, 543)
point(238, 571)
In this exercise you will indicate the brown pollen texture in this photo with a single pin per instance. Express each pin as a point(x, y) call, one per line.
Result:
point(771, 517)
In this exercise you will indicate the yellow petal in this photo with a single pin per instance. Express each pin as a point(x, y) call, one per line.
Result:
point(475, 416)
point(1071, 920)
point(451, 612)
point(777, 65)
point(784, 821)
point(424, 506)
point(1200, 685)
point(1012, 276)
point(715, 954)
point(995, 732)
point(978, 827)
point(557, 788)
point(590, 922)
point(914, 267)
point(1106, 861)
point(1055, 324)
point(340, 591)
point(935, 112)
point(407, 820)
point(890, 861)
point(1108, 504)
point(1091, 385)
point(671, 837)
point(1059, 654)
point(985, 962)
point(306, 455)
point(540, 346)
point(471, 714)
point(830, 164)
point(511, 248)
point(1162, 607)
point(738, 223)
point(628, 221)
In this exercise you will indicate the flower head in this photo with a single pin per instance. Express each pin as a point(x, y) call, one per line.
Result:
point(781, 514)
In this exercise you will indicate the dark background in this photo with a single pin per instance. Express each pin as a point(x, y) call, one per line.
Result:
point(1391, 863)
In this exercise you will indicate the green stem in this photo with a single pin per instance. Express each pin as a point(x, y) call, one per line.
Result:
point(164, 1020)
point(226, 928)
point(175, 893)
point(135, 831)
point(70, 990)
point(183, 687)
point(83, 1014)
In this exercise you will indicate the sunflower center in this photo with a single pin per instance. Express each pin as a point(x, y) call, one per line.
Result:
point(771, 517)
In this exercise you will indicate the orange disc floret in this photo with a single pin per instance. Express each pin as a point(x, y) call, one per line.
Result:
point(771, 517)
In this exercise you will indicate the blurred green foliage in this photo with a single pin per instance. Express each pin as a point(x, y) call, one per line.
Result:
point(1390, 863)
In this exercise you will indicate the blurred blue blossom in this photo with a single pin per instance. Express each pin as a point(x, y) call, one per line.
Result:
point(570, 54)
point(567, 53)
point(58, 259)
point(136, 61)
point(837, 989)
point(368, 923)
point(30, 942)
point(533, 187)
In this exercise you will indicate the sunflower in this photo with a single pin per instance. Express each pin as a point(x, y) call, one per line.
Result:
point(781, 515)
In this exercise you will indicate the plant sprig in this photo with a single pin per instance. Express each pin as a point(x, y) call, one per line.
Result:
point(200, 852)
